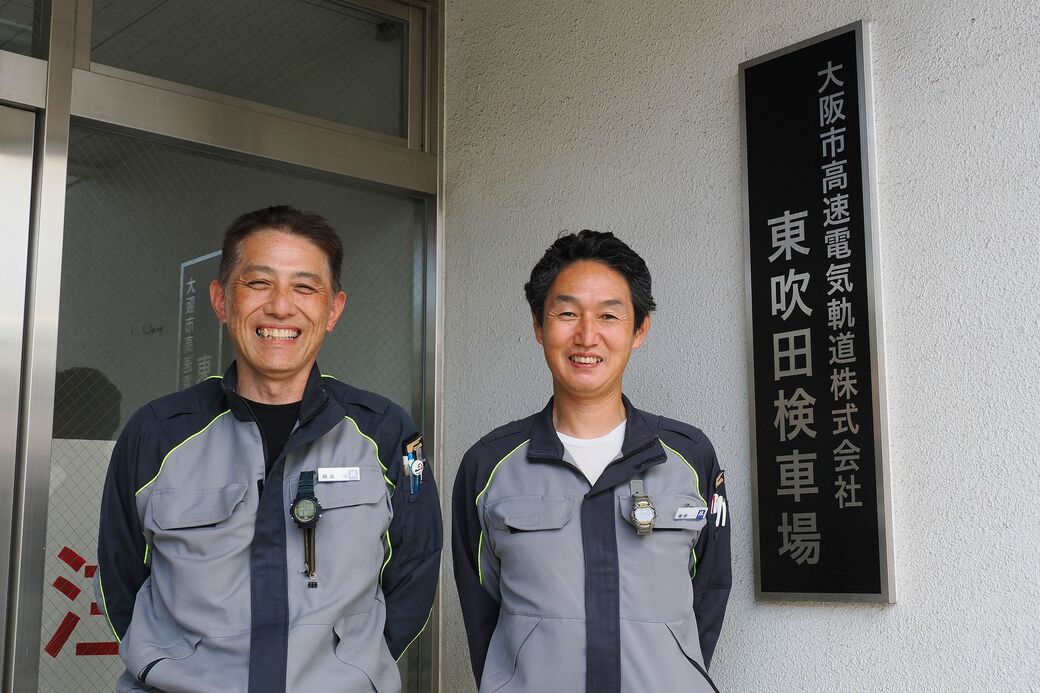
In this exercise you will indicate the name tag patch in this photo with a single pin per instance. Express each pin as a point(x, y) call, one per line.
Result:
point(690, 513)
point(339, 474)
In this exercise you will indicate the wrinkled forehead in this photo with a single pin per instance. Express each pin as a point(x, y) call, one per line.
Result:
point(274, 251)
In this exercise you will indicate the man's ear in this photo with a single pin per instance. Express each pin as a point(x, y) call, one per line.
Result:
point(537, 328)
point(641, 333)
point(339, 301)
point(217, 299)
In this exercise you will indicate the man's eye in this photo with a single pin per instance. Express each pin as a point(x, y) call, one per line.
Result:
point(305, 289)
point(567, 314)
point(609, 316)
point(257, 284)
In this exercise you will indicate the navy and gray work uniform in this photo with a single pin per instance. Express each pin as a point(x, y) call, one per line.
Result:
point(201, 565)
point(559, 591)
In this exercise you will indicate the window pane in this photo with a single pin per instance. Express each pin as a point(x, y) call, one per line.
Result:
point(324, 58)
point(136, 212)
point(20, 27)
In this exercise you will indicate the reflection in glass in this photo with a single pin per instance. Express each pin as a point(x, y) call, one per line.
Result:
point(324, 58)
point(138, 212)
point(20, 22)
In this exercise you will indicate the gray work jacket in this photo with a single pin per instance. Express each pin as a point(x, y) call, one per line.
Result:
point(200, 563)
point(560, 592)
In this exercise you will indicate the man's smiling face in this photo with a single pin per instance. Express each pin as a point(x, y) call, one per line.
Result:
point(589, 331)
point(278, 305)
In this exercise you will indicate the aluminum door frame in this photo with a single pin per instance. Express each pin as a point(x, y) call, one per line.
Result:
point(17, 135)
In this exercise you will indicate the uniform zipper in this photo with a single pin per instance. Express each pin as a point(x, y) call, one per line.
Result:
point(311, 413)
point(263, 443)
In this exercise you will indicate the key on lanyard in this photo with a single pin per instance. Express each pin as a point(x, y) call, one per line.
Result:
point(414, 463)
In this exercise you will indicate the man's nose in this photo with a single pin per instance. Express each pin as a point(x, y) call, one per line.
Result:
point(280, 303)
point(587, 334)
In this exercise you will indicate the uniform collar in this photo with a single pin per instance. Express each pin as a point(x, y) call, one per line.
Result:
point(314, 396)
point(641, 448)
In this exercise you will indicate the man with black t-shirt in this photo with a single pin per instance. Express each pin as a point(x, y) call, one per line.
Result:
point(253, 527)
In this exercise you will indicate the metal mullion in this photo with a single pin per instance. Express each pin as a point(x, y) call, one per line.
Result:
point(84, 23)
point(434, 368)
point(146, 108)
point(415, 78)
point(23, 80)
point(29, 535)
point(17, 132)
point(429, 662)
point(433, 54)
point(227, 99)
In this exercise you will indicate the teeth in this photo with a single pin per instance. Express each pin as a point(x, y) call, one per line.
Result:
point(586, 359)
point(268, 333)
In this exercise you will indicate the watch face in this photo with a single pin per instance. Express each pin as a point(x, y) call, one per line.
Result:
point(305, 510)
point(643, 515)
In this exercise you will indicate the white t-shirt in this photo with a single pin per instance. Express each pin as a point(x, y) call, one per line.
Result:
point(592, 455)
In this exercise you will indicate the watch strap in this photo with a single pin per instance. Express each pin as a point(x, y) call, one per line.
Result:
point(305, 489)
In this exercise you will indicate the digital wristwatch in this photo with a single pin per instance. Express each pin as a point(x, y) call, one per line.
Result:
point(643, 511)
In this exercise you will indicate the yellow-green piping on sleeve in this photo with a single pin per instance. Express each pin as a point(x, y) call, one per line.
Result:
point(389, 555)
point(476, 501)
point(146, 547)
point(374, 444)
point(696, 476)
point(218, 377)
point(697, 487)
point(361, 433)
point(480, 566)
point(163, 463)
point(104, 605)
point(495, 470)
point(428, 617)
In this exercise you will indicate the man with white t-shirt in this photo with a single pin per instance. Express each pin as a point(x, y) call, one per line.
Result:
point(590, 540)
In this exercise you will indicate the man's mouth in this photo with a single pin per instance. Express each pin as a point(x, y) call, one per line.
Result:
point(586, 360)
point(277, 333)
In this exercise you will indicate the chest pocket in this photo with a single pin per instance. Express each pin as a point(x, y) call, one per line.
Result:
point(529, 534)
point(673, 512)
point(183, 509)
point(530, 513)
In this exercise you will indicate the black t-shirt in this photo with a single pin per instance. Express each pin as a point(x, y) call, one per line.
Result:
point(276, 422)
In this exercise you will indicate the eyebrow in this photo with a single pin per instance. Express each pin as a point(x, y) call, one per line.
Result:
point(609, 303)
point(267, 269)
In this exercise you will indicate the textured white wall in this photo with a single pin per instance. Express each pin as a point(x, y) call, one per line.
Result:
point(623, 116)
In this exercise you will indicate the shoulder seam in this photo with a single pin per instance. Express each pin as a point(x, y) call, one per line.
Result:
point(696, 474)
point(495, 469)
point(174, 448)
point(379, 459)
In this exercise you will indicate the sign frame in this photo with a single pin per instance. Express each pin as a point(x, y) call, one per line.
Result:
point(872, 261)
point(204, 294)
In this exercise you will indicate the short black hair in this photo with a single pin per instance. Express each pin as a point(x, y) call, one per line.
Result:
point(313, 227)
point(594, 246)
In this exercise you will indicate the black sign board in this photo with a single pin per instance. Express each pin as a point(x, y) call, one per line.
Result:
point(200, 352)
point(822, 525)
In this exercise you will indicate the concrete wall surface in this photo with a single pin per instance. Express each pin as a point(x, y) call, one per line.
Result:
point(624, 116)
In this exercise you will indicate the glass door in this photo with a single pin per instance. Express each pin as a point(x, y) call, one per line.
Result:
point(144, 222)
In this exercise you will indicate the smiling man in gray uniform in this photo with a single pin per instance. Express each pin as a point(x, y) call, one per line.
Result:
point(272, 530)
point(590, 540)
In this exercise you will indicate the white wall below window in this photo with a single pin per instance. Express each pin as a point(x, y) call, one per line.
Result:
point(624, 116)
